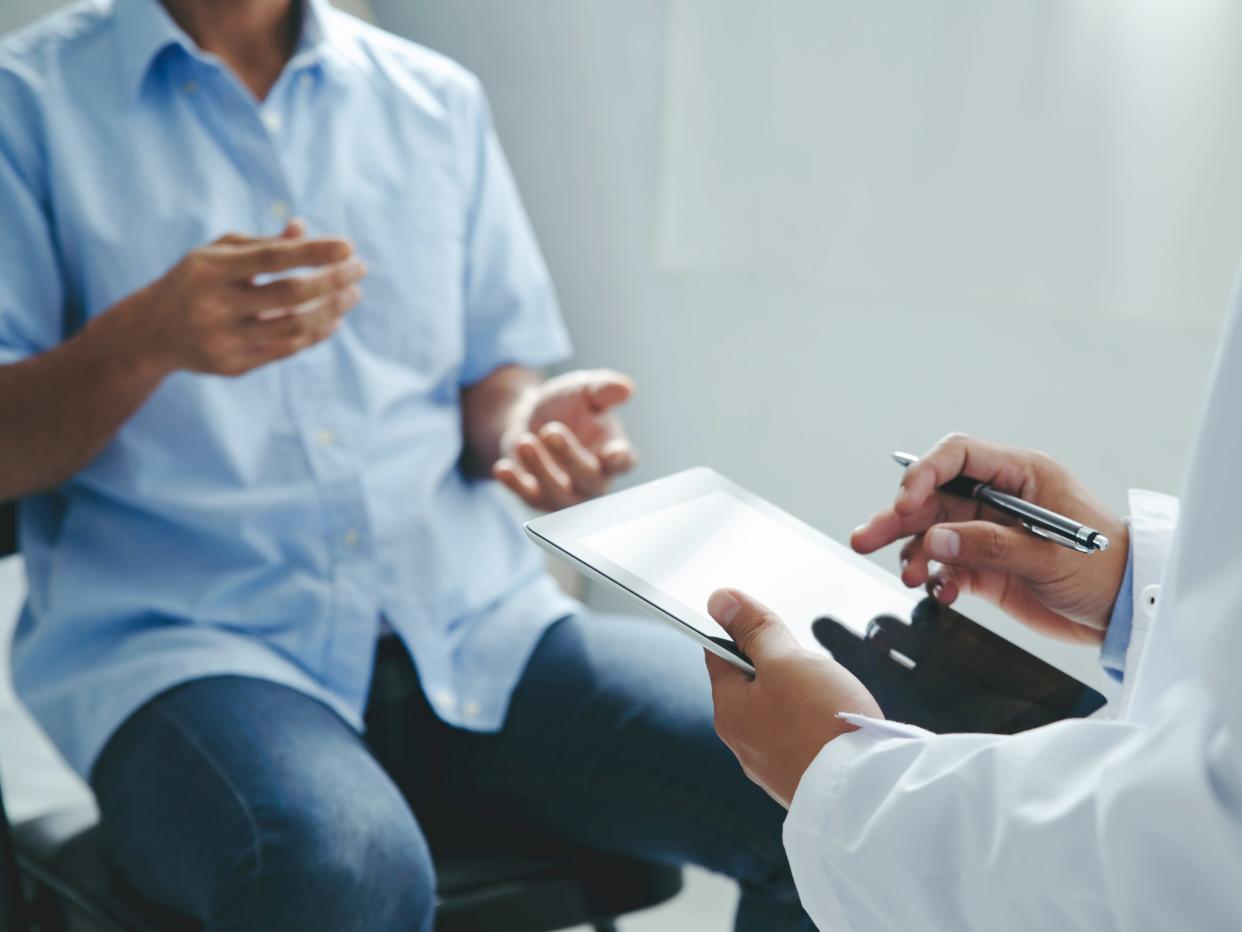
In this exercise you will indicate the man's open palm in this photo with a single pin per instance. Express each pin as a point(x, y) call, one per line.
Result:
point(566, 444)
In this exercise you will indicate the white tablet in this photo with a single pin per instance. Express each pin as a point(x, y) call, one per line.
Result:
point(669, 544)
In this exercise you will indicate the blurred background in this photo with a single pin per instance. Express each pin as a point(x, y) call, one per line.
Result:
point(816, 231)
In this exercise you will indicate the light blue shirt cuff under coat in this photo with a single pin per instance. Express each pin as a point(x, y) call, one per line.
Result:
point(1120, 624)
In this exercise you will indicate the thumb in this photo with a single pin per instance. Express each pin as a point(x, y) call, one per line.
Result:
point(606, 389)
point(754, 627)
point(982, 545)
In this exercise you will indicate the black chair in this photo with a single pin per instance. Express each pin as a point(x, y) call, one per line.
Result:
point(55, 875)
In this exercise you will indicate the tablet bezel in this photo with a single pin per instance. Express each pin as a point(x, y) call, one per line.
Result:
point(562, 533)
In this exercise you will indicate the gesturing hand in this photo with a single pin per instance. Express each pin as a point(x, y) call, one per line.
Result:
point(777, 723)
point(209, 314)
point(1053, 589)
point(564, 443)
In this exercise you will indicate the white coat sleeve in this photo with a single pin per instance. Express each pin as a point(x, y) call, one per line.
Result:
point(1083, 825)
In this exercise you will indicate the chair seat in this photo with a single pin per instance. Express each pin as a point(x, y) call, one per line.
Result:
point(513, 885)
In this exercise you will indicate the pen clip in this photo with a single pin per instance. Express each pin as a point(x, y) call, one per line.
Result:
point(1071, 543)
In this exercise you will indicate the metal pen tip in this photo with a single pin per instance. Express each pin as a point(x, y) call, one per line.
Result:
point(1100, 542)
point(905, 459)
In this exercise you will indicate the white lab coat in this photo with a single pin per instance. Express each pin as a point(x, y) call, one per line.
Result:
point(1132, 822)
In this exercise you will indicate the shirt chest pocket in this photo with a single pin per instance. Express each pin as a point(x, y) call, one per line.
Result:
point(411, 312)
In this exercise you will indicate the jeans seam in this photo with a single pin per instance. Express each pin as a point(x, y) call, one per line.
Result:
point(255, 846)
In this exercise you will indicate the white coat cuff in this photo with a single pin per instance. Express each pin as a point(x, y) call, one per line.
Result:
point(1153, 519)
point(829, 766)
point(815, 796)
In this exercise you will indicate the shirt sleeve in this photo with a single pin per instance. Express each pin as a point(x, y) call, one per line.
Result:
point(32, 292)
point(1086, 825)
point(512, 315)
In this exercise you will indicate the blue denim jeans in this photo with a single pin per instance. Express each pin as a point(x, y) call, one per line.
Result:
point(253, 807)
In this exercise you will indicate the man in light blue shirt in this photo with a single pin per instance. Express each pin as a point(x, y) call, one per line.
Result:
point(247, 459)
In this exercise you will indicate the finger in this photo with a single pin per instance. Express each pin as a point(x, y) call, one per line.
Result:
point(887, 526)
point(753, 626)
point(727, 681)
point(606, 389)
point(271, 349)
point(517, 480)
point(946, 584)
point(294, 229)
point(983, 545)
point(617, 456)
point(312, 323)
point(555, 486)
point(583, 467)
point(288, 323)
point(289, 295)
point(245, 261)
point(914, 562)
point(722, 673)
point(1007, 468)
point(235, 239)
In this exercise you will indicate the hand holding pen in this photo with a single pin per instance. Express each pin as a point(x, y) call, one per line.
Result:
point(958, 542)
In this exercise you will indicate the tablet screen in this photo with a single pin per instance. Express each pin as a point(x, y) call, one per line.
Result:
point(690, 549)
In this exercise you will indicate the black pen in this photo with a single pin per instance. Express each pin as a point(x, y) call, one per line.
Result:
point(1047, 524)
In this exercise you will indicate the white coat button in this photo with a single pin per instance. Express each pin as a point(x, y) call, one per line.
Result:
point(1148, 599)
point(445, 700)
point(471, 709)
point(272, 121)
point(280, 210)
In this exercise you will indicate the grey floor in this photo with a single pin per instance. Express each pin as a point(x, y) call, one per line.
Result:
point(35, 781)
point(705, 905)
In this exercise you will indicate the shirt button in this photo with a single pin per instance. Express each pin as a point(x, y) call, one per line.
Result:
point(471, 709)
point(280, 210)
point(306, 81)
point(190, 87)
point(272, 121)
point(325, 437)
point(351, 538)
point(1148, 599)
point(445, 700)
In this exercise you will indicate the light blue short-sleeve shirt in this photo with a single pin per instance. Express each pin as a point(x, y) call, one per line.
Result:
point(268, 525)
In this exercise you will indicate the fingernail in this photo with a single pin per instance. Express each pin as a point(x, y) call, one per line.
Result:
point(944, 544)
point(723, 606)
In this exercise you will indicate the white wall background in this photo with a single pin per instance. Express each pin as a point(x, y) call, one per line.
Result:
point(1030, 157)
